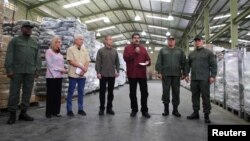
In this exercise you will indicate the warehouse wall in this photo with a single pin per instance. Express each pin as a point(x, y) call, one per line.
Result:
point(20, 13)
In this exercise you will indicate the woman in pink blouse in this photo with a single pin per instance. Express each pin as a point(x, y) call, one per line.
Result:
point(54, 75)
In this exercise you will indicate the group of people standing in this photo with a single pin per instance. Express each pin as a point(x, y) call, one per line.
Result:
point(173, 66)
point(23, 64)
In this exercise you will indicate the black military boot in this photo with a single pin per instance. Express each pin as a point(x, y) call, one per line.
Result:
point(12, 118)
point(175, 112)
point(194, 115)
point(207, 119)
point(166, 110)
point(24, 116)
point(110, 111)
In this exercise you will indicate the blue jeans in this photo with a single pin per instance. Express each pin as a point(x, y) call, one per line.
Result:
point(80, 88)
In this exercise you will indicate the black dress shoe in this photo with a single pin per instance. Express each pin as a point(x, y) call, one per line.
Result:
point(70, 114)
point(57, 115)
point(207, 119)
point(133, 114)
point(48, 116)
point(146, 115)
point(25, 117)
point(165, 113)
point(81, 112)
point(101, 113)
point(194, 115)
point(110, 111)
point(176, 113)
point(12, 118)
point(11, 121)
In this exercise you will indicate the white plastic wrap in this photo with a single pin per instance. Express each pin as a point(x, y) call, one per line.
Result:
point(232, 80)
point(218, 93)
point(93, 51)
point(92, 82)
point(246, 80)
point(121, 80)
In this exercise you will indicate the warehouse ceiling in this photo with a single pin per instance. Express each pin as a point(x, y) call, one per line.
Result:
point(153, 17)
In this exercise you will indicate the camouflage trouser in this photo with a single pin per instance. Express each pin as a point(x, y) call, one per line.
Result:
point(172, 82)
point(201, 88)
point(25, 81)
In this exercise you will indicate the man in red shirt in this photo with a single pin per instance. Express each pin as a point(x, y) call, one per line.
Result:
point(137, 59)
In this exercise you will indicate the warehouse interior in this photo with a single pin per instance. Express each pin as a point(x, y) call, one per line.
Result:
point(224, 24)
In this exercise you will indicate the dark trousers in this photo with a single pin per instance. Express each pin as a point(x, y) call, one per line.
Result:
point(53, 98)
point(172, 82)
point(201, 88)
point(144, 93)
point(103, 85)
point(25, 81)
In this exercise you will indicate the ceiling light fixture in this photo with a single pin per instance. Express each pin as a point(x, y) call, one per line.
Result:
point(217, 26)
point(98, 34)
point(158, 48)
point(106, 28)
point(74, 4)
point(158, 36)
point(156, 17)
point(159, 27)
point(248, 33)
point(117, 36)
point(209, 35)
point(105, 19)
point(162, 0)
point(147, 42)
point(120, 42)
point(241, 40)
point(163, 42)
point(143, 33)
point(221, 17)
point(168, 33)
point(137, 18)
point(170, 17)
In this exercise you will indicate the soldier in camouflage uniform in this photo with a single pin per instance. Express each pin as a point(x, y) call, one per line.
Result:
point(203, 65)
point(170, 66)
point(22, 64)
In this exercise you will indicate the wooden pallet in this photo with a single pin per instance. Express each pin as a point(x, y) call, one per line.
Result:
point(234, 111)
point(247, 116)
point(218, 103)
point(243, 115)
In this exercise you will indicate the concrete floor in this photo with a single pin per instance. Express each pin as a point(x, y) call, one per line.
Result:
point(120, 127)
